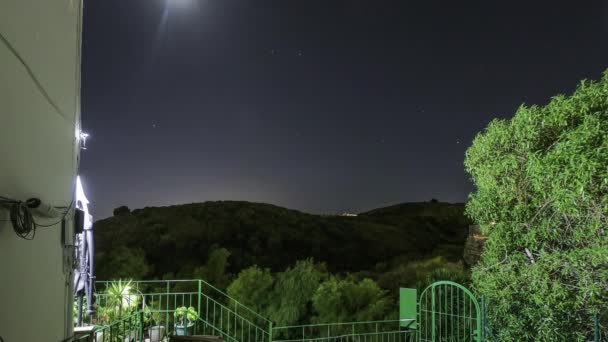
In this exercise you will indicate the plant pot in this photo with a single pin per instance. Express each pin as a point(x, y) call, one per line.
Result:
point(131, 336)
point(184, 330)
point(156, 333)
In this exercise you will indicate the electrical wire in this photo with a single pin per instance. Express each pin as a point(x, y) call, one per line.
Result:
point(30, 72)
point(20, 215)
point(23, 221)
point(67, 210)
point(21, 218)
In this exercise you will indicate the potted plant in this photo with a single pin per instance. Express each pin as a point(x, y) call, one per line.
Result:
point(184, 320)
point(120, 301)
point(154, 320)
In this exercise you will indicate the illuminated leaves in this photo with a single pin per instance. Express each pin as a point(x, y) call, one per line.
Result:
point(543, 178)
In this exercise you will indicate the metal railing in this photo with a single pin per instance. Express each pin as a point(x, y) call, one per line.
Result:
point(218, 313)
point(223, 316)
point(371, 331)
point(126, 329)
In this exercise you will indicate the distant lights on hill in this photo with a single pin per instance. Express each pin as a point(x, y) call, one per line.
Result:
point(348, 214)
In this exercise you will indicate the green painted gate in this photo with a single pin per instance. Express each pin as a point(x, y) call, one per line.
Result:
point(448, 312)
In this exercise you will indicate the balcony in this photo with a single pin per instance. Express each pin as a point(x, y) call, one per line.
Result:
point(194, 310)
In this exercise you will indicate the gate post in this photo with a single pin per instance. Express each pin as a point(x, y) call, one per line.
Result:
point(198, 307)
point(483, 319)
point(433, 313)
point(269, 331)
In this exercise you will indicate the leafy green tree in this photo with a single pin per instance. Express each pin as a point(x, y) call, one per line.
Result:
point(285, 298)
point(293, 292)
point(214, 271)
point(542, 185)
point(253, 288)
point(421, 272)
point(349, 300)
point(456, 275)
point(122, 262)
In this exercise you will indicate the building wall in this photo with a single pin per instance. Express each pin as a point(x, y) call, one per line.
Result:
point(38, 158)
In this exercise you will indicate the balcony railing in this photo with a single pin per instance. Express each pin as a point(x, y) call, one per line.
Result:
point(154, 303)
point(157, 300)
point(371, 331)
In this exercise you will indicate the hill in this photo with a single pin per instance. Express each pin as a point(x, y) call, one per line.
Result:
point(175, 241)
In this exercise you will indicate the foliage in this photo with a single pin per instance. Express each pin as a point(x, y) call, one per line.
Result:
point(153, 317)
point(122, 210)
point(350, 300)
point(457, 275)
point(119, 262)
point(396, 245)
point(418, 272)
point(185, 313)
point(292, 293)
point(307, 293)
point(214, 271)
point(177, 240)
point(119, 300)
point(253, 287)
point(542, 186)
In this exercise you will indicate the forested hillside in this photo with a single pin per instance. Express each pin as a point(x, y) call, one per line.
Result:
point(216, 240)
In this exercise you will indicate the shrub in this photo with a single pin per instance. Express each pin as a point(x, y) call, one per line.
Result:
point(542, 185)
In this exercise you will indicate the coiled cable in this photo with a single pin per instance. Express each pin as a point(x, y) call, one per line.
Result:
point(22, 219)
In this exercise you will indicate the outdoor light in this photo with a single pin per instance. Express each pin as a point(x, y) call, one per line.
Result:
point(82, 137)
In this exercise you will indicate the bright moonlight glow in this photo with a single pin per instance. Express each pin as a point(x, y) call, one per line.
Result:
point(181, 3)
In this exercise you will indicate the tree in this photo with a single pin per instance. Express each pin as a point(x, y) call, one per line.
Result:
point(122, 262)
point(421, 273)
point(541, 195)
point(285, 298)
point(253, 288)
point(121, 211)
point(293, 292)
point(349, 300)
point(214, 271)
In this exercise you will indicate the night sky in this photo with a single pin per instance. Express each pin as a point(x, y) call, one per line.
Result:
point(322, 106)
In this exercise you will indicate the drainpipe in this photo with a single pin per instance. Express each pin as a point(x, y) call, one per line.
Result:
point(91, 275)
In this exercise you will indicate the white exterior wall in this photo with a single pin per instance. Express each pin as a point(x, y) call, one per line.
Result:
point(38, 158)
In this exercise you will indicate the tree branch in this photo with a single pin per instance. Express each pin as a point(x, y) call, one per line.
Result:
point(530, 256)
point(540, 210)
